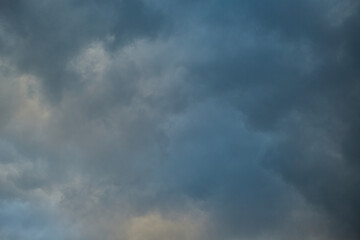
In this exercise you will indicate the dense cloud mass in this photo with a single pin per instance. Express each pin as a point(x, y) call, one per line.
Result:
point(169, 119)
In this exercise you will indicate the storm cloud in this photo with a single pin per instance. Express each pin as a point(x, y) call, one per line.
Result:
point(152, 119)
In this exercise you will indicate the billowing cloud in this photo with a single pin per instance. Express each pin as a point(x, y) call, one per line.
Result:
point(152, 119)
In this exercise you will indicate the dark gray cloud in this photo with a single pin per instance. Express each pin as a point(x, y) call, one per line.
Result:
point(132, 119)
point(45, 36)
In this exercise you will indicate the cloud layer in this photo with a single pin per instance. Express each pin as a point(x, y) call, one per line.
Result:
point(152, 119)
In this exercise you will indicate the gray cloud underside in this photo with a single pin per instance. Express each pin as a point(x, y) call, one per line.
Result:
point(153, 119)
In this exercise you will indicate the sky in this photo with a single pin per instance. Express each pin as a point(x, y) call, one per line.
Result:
point(179, 119)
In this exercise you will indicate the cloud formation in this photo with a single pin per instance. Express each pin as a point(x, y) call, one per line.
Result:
point(152, 119)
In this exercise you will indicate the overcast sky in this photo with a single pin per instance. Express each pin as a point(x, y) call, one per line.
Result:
point(179, 119)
